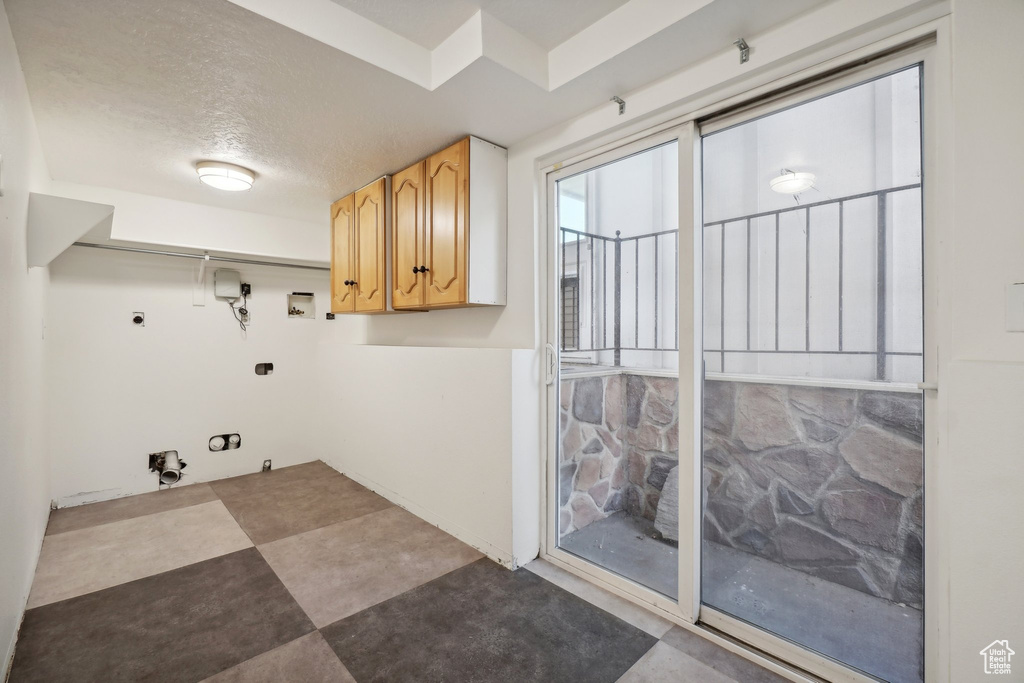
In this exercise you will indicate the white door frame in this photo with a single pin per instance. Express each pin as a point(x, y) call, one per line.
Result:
point(929, 44)
point(683, 135)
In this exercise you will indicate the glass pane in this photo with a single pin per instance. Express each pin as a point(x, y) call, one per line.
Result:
point(813, 460)
point(618, 409)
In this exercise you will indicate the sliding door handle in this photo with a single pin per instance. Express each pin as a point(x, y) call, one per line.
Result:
point(551, 364)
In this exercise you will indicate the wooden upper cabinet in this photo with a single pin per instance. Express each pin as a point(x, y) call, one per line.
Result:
point(447, 236)
point(360, 255)
point(449, 228)
point(370, 237)
point(408, 206)
point(432, 236)
point(342, 251)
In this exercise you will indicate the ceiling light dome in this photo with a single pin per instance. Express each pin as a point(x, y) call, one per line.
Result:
point(224, 176)
point(791, 182)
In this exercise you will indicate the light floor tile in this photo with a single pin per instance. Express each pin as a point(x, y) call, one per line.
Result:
point(94, 514)
point(308, 659)
point(665, 664)
point(340, 569)
point(87, 560)
point(624, 609)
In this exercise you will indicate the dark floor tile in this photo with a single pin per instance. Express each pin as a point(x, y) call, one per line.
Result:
point(182, 625)
point(718, 658)
point(485, 623)
point(119, 509)
point(274, 505)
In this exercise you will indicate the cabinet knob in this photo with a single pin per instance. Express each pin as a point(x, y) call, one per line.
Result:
point(353, 282)
point(348, 282)
point(423, 269)
point(415, 269)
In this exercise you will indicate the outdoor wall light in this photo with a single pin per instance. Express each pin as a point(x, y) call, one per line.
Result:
point(791, 182)
point(224, 176)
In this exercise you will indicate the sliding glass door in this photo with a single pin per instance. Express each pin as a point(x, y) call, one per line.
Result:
point(737, 357)
point(813, 347)
point(616, 278)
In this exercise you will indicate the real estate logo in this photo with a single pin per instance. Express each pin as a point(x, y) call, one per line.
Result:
point(997, 657)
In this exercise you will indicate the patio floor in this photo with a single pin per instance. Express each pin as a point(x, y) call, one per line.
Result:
point(874, 635)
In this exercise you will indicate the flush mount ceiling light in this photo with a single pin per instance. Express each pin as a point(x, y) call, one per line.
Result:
point(791, 182)
point(224, 176)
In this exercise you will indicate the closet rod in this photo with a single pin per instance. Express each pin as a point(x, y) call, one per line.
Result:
point(201, 257)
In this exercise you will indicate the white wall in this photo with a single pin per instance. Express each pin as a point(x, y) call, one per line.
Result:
point(24, 482)
point(118, 391)
point(431, 429)
point(985, 379)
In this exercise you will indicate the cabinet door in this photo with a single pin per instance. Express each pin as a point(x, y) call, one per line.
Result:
point(407, 207)
point(342, 244)
point(370, 271)
point(447, 233)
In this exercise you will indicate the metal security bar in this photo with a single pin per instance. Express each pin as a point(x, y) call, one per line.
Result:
point(742, 226)
point(603, 271)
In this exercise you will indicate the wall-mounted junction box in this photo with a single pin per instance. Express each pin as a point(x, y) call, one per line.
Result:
point(227, 284)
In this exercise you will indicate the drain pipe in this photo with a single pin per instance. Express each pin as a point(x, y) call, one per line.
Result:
point(167, 465)
point(170, 473)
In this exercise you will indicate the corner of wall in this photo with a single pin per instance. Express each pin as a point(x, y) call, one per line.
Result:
point(527, 454)
point(24, 478)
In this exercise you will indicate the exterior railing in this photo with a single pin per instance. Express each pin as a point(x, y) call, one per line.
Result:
point(604, 256)
point(881, 352)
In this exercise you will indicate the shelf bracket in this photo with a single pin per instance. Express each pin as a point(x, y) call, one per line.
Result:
point(199, 286)
point(744, 50)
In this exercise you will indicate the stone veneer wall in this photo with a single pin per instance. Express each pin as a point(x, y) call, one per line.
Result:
point(826, 481)
point(619, 440)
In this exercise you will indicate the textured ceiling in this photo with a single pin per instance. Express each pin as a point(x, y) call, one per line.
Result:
point(131, 93)
point(545, 22)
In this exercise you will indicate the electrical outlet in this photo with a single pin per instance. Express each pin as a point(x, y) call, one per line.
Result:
point(266, 465)
point(246, 289)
